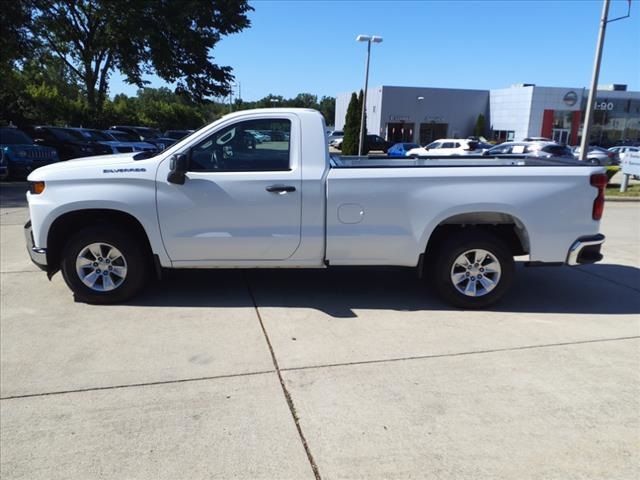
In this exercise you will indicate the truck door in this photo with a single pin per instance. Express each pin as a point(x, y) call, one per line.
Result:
point(241, 199)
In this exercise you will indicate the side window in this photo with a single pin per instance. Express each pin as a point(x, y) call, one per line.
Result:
point(456, 145)
point(447, 145)
point(249, 146)
point(501, 149)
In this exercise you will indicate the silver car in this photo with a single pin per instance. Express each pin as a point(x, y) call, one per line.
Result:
point(531, 149)
point(598, 156)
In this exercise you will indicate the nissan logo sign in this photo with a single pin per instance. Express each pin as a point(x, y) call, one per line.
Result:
point(570, 98)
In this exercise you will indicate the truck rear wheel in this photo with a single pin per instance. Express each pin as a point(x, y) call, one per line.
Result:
point(102, 265)
point(472, 269)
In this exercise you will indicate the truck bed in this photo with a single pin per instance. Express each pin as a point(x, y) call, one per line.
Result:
point(384, 161)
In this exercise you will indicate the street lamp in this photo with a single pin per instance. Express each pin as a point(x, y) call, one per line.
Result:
point(274, 101)
point(368, 39)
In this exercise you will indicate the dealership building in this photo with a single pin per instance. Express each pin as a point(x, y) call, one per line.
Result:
point(421, 115)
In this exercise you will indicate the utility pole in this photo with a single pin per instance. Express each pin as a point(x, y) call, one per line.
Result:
point(593, 91)
point(368, 39)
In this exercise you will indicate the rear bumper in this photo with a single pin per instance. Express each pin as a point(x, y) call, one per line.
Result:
point(38, 255)
point(586, 250)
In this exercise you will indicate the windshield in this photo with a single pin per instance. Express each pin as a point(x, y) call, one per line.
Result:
point(68, 135)
point(13, 136)
point(122, 136)
point(148, 132)
point(96, 135)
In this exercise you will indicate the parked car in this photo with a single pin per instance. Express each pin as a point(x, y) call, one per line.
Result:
point(4, 169)
point(622, 150)
point(127, 138)
point(531, 149)
point(68, 142)
point(334, 135)
point(598, 155)
point(177, 134)
point(372, 143)
point(21, 155)
point(401, 149)
point(146, 134)
point(537, 139)
point(99, 137)
point(336, 143)
point(376, 143)
point(445, 146)
point(259, 136)
point(208, 204)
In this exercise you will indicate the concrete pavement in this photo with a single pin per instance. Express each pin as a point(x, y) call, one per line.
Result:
point(379, 379)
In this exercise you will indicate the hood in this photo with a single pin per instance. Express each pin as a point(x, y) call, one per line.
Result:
point(92, 165)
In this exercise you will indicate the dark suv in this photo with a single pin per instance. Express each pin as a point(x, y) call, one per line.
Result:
point(376, 142)
point(21, 155)
point(146, 134)
point(68, 142)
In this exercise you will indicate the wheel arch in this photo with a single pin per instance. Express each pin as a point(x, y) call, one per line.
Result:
point(502, 224)
point(70, 222)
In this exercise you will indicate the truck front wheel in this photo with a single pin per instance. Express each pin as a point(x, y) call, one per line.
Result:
point(472, 269)
point(103, 265)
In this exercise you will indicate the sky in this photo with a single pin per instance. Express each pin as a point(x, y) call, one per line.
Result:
point(309, 46)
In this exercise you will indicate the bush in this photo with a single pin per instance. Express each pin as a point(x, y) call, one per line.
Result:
point(611, 171)
point(351, 128)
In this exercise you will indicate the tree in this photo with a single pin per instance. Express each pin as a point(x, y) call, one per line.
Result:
point(327, 107)
point(171, 38)
point(305, 100)
point(479, 129)
point(360, 105)
point(351, 127)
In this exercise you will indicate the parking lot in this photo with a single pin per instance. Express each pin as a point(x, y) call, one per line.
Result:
point(342, 373)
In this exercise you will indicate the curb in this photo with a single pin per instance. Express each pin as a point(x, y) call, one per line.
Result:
point(622, 199)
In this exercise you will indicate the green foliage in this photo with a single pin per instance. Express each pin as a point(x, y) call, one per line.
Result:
point(611, 171)
point(480, 129)
point(171, 38)
point(351, 127)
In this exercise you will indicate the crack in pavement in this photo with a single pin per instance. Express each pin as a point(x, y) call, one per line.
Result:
point(460, 354)
point(285, 391)
point(133, 385)
point(314, 367)
point(608, 279)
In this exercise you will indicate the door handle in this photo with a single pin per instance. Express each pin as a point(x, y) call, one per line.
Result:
point(280, 189)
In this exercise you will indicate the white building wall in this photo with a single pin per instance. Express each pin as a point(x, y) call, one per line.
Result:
point(374, 101)
point(510, 109)
point(342, 103)
point(550, 98)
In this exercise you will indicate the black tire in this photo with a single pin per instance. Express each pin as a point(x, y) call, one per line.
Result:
point(441, 265)
point(131, 249)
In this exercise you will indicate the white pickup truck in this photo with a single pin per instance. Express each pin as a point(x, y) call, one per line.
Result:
point(221, 199)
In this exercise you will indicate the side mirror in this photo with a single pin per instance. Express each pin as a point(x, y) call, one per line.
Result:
point(178, 169)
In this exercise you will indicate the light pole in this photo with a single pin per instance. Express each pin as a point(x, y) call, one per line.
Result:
point(593, 92)
point(368, 39)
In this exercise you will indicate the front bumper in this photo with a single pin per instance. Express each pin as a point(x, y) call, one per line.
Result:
point(38, 255)
point(586, 250)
